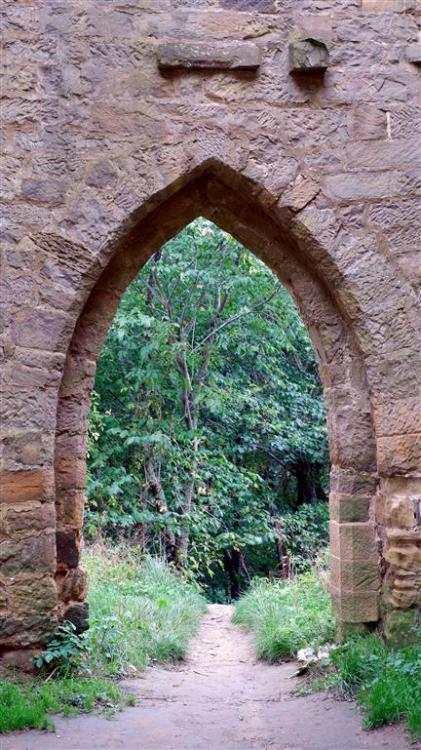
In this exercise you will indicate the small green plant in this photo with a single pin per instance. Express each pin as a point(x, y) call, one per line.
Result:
point(65, 652)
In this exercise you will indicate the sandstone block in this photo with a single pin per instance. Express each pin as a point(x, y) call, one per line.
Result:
point(25, 486)
point(48, 191)
point(362, 186)
point(308, 56)
point(196, 55)
point(36, 554)
point(73, 585)
point(356, 607)
point(413, 53)
point(37, 595)
point(68, 548)
point(21, 521)
point(354, 575)
point(70, 506)
point(349, 509)
point(399, 454)
point(354, 541)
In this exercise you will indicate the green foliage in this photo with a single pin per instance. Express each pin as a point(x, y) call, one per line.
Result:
point(306, 533)
point(26, 705)
point(65, 651)
point(286, 616)
point(140, 612)
point(387, 682)
point(207, 421)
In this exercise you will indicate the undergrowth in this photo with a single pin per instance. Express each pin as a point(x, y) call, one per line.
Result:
point(385, 681)
point(140, 612)
point(27, 705)
point(285, 616)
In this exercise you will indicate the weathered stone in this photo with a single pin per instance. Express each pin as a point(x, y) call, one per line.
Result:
point(35, 554)
point(400, 454)
point(300, 193)
point(362, 186)
point(413, 53)
point(67, 548)
point(191, 55)
point(73, 585)
point(105, 158)
point(23, 486)
point(33, 596)
point(78, 614)
point(308, 56)
point(103, 174)
point(49, 191)
point(407, 557)
point(402, 628)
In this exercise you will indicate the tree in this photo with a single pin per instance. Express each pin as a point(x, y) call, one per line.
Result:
point(208, 417)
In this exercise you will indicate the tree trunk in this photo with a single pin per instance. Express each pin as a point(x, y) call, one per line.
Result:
point(232, 564)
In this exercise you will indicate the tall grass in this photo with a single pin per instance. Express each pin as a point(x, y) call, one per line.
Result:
point(386, 682)
point(286, 615)
point(140, 612)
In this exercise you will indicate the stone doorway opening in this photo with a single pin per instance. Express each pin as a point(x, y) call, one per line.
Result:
point(308, 270)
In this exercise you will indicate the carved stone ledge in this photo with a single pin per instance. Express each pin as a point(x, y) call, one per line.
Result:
point(199, 55)
point(308, 56)
point(413, 53)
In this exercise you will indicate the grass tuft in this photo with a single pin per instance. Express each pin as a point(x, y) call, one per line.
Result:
point(286, 615)
point(26, 705)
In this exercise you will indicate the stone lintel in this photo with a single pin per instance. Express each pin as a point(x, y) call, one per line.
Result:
point(197, 55)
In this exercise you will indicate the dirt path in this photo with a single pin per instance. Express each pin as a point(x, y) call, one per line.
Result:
point(220, 699)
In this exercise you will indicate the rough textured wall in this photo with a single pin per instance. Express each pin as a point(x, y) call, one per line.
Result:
point(106, 156)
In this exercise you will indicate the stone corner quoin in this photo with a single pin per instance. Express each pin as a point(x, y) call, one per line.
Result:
point(294, 126)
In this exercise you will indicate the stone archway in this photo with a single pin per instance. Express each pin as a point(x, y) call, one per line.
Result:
point(236, 204)
point(108, 154)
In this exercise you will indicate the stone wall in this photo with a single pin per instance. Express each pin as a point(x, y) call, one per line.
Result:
point(123, 121)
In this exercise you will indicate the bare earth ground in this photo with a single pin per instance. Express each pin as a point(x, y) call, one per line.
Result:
point(219, 699)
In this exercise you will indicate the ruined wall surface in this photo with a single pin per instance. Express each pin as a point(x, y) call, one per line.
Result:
point(125, 119)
